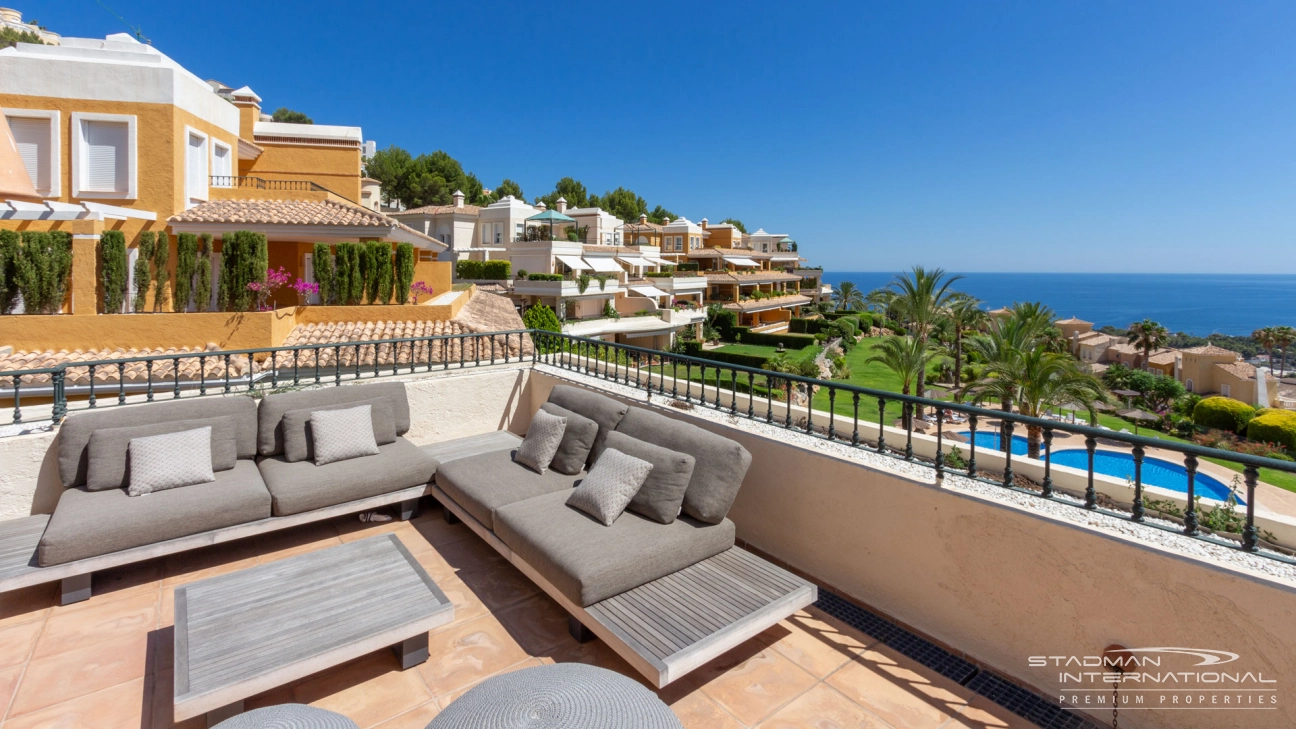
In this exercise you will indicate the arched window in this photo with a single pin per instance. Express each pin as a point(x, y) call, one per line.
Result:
point(1224, 390)
point(1188, 385)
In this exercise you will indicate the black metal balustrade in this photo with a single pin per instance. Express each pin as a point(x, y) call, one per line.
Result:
point(657, 373)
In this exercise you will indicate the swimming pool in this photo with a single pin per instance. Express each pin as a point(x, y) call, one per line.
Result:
point(990, 439)
point(1156, 472)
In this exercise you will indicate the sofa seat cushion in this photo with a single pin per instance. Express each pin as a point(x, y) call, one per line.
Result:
point(90, 523)
point(483, 483)
point(589, 562)
point(304, 486)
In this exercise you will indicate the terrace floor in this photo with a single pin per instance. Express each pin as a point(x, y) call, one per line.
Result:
point(106, 663)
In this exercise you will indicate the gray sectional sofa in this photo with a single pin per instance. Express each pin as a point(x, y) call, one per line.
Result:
point(265, 478)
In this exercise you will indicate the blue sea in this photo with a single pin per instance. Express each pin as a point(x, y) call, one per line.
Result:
point(1199, 304)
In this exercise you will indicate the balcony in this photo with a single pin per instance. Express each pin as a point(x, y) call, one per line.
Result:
point(567, 289)
point(936, 583)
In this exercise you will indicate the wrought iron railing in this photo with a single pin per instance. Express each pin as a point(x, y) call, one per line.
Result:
point(736, 390)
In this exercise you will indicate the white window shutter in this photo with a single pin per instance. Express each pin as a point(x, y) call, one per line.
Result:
point(107, 150)
point(33, 138)
point(196, 167)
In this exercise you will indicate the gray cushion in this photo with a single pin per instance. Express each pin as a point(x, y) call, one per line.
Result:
point(170, 461)
point(483, 483)
point(109, 465)
point(273, 407)
point(589, 562)
point(74, 433)
point(612, 481)
point(721, 463)
point(541, 443)
point(577, 440)
point(342, 434)
point(300, 446)
point(662, 493)
point(304, 486)
point(90, 523)
point(600, 408)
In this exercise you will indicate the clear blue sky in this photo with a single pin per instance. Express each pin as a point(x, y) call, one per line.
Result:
point(978, 136)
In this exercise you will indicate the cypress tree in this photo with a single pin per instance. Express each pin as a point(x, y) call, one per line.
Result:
point(143, 281)
point(404, 271)
point(112, 270)
point(9, 266)
point(202, 285)
point(383, 255)
point(186, 265)
point(161, 254)
point(322, 260)
point(44, 268)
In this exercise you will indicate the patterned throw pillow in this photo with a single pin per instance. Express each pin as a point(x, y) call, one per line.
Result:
point(160, 462)
point(612, 482)
point(343, 434)
point(541, 442)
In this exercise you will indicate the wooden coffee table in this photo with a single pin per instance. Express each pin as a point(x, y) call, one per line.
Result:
point(240, 634)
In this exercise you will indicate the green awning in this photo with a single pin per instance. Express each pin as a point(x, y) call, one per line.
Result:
point(551, 216)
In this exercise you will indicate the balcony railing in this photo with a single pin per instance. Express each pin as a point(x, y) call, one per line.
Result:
point(259, 183)
point(745, 392)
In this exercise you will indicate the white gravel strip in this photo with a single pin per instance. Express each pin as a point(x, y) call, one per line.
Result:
point(918, 471)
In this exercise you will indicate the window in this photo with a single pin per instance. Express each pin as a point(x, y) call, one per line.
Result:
point(679, 242)
point(36, 133)
point(222, 167)
point(499, 232)
point(519, 229)
point(1188, 385)
point(103, 156)
point(1224, 390)
point(196, 178)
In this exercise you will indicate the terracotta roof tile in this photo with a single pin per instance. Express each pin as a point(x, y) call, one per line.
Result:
point(791, 300)
point(441, 210)
point(1210, 349)
point(1239, 369)
point(283, 212)
point(762, 277)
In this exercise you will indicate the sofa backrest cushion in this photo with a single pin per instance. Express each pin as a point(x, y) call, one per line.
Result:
point(270, 439)
point(299, 443)
point(601, 409)
point(721, 463)
point(577, 442)
point(662, 493)
point(74, 433)
point(110, 448)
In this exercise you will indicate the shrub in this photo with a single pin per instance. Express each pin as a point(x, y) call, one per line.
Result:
point(245, 257)
point(471, 270)
point(746, 360)
point(788, 340)
point(808, 326)
point(143, 279)
point(404, 271)
point(497, 270)
point(609, 311)
point(542, 318)
point(186, 264)
point(686, 267)
point(1185, 404)
point(544, 277)
point(348, 284)
point(44, 269)
point(161, 254)
point(725, 322)
point(658, 274)
point(322, 263)
point(1274, 426)
point(1223, 413)
point(9, 251)
point(112, 270)
point(203, 282)
point(522, 273)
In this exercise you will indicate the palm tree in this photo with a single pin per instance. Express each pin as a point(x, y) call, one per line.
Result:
point(880, 300)
point(1034, 316)
point(965, 315)
point(1284, 337)
point(1039, 381)
point(1268, 339)
point(848, 297)
point(907, 357)
point(999, 348)
point(922, 297)
point(1149, 335)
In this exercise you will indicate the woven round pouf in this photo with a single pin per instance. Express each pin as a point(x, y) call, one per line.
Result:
point(561, 696)
point(287, 716)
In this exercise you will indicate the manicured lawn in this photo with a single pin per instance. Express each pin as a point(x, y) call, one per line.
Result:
point(874, 376)
point(804, 354)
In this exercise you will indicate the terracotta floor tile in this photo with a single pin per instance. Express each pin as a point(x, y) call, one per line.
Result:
point(116, 707)
point(453, 696)
point(353, 529)
point(752, 686)
point(416, 718)
point(8, 685)
point(499, 587)
point(70, 674)
point(697, 711)
point(199, 564)
point(27, 604)
point(983, 713)
point(537, 624)
point(161, 646)
point(160, 690)
point(367, 691)
point(467, 653)
point(898, 690)
point(127, 580)
point(823, 707)
point(273, 697)
point(98, 622)
point(812, 645)
point(470, 554)
point(434, 529)
point(466, 604)
point(433, 563)
point(17, 641)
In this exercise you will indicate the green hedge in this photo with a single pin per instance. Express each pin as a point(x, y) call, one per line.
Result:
point(471, 270)
point(544, 277)
point(1223, 413)
point(113, 276)
point(746, 360)
point(686, 267)
point(807, 326)
point(497, 270)
point(1274, 426)
point(787, 339)
point(658, 274)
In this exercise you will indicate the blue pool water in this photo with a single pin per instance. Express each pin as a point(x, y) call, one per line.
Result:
point(990, 439)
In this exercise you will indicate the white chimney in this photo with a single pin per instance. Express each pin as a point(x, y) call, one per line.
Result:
point(561, 204)
point(665, 221)
point(458, 198)
point(643, 218)
point(542, 206)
